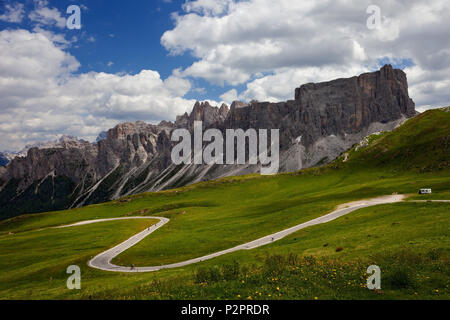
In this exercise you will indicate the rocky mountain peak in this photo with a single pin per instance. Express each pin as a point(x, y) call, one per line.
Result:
point(182, 121)
point(123, 130)
point(208, 114)
point(238, 105)
point(224, 109)
point(324, 120)
point(101, 136)
point(165, 123)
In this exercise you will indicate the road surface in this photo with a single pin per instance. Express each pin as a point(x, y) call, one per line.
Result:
point(103, 260)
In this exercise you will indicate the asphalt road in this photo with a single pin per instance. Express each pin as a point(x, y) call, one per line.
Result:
point(103, 260)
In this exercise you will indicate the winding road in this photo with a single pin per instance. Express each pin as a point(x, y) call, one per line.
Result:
point(103, 260)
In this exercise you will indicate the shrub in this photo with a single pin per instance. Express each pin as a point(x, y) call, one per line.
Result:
point(245, 270)
point(201, 275)
point(293, 259)
point(214, 274)
point(230, 271)
point(309, 260)
point(434, 254)
point(207, 275)
point(400, 278)
point(274, 265)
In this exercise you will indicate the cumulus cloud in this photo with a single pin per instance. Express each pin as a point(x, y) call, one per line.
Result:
point(296, 41)
point(267, 47)
point(230, 96)
point(207, 7)
point(429, 88)
point(281, 85)
point(42, 96)
point(45, 16)
point(13, 13)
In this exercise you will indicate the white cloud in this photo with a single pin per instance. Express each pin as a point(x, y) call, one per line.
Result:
point(230, 96)
point(28, 55)
point(177, 85)
point(57, 38)
point(429, 88)
point(281, 85)
point(270, 46)
point(235, 41)
point(13, 13)
point(200, 90)
point(46, 16)
point(41, 97)
point(207, 7)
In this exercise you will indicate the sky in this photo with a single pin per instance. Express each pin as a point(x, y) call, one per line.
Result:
point(151, 60)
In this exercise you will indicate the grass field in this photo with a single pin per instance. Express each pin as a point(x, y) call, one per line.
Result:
point(409, 241)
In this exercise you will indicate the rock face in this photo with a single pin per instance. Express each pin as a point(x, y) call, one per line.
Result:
point(9, 156)
point(324, 120)
point(203, 111)
point(102, 136)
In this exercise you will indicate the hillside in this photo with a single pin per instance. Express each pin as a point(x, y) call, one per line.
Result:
point(421, 144)
point(212, 216)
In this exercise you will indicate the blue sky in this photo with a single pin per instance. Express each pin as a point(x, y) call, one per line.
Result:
point(124, 37)
point(151, 60)
point(129, 35)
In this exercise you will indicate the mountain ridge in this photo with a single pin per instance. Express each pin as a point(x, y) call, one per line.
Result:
point(324, 120)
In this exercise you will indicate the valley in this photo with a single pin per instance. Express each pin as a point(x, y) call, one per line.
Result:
point(408, 240)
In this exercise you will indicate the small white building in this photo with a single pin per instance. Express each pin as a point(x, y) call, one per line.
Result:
point(425, 191)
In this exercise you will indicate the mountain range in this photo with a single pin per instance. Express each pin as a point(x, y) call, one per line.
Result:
point(7, 156)
point(323, 121)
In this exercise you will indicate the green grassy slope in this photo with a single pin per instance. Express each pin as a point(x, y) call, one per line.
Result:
point(33, 261)
point(408, 241)
point(216, 215)
point(422, 144)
